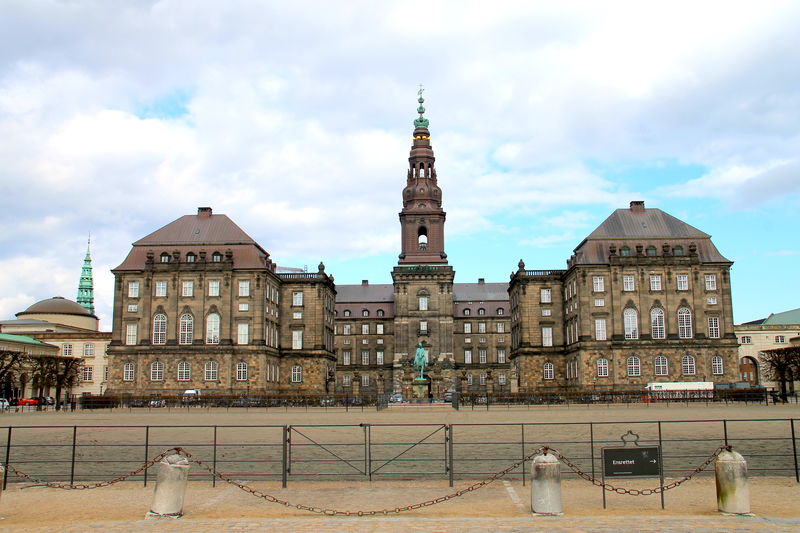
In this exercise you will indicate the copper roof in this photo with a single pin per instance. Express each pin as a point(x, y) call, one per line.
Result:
point(202, 228)
point(57, 305)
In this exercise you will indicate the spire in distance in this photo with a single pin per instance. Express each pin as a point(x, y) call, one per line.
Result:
point(421, 122)
point(86, 285)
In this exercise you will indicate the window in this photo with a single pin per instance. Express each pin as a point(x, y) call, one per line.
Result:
point(467, 312)
point(88, 350)
point(625, 251)
point(157, 371)
point(160, 329)
point(501, 379)
point(482, 355)
point(364, 312)
point(346, 380)
point(244, 287)
point(379, 329)
point(105, 373)
point(379, 357)
point(481, 311)
point(297, 300)
point(547, 336)
point(212, 329)
point(713, 327)
point(657, 328)
point(467, 327)
point(346, 357)
point(500, 311)
point(746, 339)
point(365, 329)
point(128, 372)
point(346, 329)
point(600, 329)
point(241, 371)
point(133, 289)
point(184, 371)
point(651, 251)
point(467, 340)
point(244, 306)
point(161, 289)
point(598, 284)
point(164, 257)
point(365, 357)
point(211, 371)
point(716, 366)
point(469, 379)
point(684, 323)
point(132, 308)
point(661, 366)
point(365, 380)
point(216, 257)
point(482, 340)
point(711, 282)
point(242, 333)
point(186, 329)
point(297, 315)
point(482, 379)
point(213, 287)
point(546, 296)
point(380, 312)
point(500, 327)
point(481, 327)
point(712, 300)
point(780, 339)
point(88, 373)
point(131, 334)
point(346, 312)
point(628, 283)
point(501, 355)
point(631, 322)
point(423, 303)
point(468, 356)
point(187, 288)
point(297, 339)
point(634, 366)
point(423, 326)
point(655, 282)
point(688, 365)
point(548, 371)
point(190, 257)
point(547, 312)
point(297, 374)
point(599, 302)
point(602, 367)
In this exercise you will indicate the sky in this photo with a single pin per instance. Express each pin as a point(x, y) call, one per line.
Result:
point(295, 119)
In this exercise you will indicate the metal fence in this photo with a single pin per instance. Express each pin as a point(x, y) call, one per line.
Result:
point(385, 451)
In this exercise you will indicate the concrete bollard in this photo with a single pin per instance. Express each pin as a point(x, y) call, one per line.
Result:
point(171, 482)
point(733, 493)
point(546, 485)
point(2, 477)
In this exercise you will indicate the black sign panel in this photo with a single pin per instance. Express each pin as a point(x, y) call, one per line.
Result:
point(639, 461)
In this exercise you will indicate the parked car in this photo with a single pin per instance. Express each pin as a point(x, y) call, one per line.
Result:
point(28, 401)
point(47, 400)
point(158, 403)
point(447, 396)
point(4, 405)
point(396, 398)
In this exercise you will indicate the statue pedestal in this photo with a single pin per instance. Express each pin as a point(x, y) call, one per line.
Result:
point(421, 390)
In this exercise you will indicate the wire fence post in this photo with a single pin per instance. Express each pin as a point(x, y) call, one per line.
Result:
point(8, 458)
point(450, 455)
point(794, 451)
point(72, 461)
point(146, 451)
point(284, 455)
point(591, 443)
point(367, 452)
point(522, 441)
point(660, 463)
point(725, 430)
point(213, 477)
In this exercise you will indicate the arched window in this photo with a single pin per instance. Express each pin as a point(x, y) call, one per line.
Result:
point(157, 371)
point(346, 312)
point(624, 251)
point(297, 374)
point(466, 312)
point(165, 257)
point(241, 371)
point(216, 257)
point(657, 330)
point(688, 365)
point(422, 238)
point(364, 312)
point(634, 366)
point(187, 329)
point(160, 329)
point(500, 311)
point(548, 371)
point(128, 372)
point(481, 311)
point(684, 323)
point(717, 367)
point(184, 371)
point(190, 257)
point(631, 322)
point(677, 251)
point(380, 312)
point(651, 251)
point(661, 366)
point(212, 328)
point(602, 367)
point(211, 371)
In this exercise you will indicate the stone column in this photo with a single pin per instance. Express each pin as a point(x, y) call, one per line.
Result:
point(380, 384)
point(356, 386)
point(170, 490)
point(489, 384)
point(464, 386)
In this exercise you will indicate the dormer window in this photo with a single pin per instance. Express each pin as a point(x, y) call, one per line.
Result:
point(364, 312)
point(625, 251)
point(165, 257)
point(190, 257)
point(346, 312)
point(651, 251)
point(466, 312)
point(677, 251)
point(216, 257)
point(380, 312)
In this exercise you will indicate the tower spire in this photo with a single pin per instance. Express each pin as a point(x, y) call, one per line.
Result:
point(86, 284)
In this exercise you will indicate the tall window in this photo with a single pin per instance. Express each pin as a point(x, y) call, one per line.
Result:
point(297, 374)
point(297, 339)
point(600, 329)
point(711, 282)
point(365, 380)
point(128, 372)
point(602, 367)
point(213, 287)
point(133, 289)
point(346, 380)
point(628, 283)
point(661, 366)
point(346, 357)
point(467, 327)
point(211, 371)
point(88, 373)
point(184, 371)
point(186, 329)
point(379, 357)
point(598, 284)
point(657, 329)
point(212, 328)
point(501, 355)
point(682, 282)
point(655, 282)
point(547, 336)
point(546, 296)
point(241, 371)
point(379, 329)
point(242, 333)
point(423, 303)
point(634, 366)
point(297, 298)
point(716, 365)
point(684, 323)
point(482, 355)
point(467, 356)
point(244, 287)
point(500, 327)
point(131, 334)
point(157, 371)
point(631, 323)
point(161, 289)
point(688, 365)
point(364, 357)
point(713, 327)
point(160, 329)
point(481, 327)
point(187, 288)
point(548, 371)
point(501, 379)
point(365, 329)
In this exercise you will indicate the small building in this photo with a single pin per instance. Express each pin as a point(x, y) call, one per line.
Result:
point(776, 331)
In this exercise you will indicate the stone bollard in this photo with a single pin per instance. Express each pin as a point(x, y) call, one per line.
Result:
point(2, 477)
point(546, 485)
point(171, 482)
point(733, 493)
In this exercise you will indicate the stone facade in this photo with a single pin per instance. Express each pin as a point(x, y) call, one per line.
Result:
point(779, 330)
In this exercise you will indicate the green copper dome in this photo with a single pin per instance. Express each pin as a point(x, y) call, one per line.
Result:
point(421, 122)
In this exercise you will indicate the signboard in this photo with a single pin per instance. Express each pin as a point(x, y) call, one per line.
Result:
point(638, 461)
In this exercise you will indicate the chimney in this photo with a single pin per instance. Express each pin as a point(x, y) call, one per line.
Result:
point(364, 282)
point(637, 206)
point(204, 211)
point(481, 281)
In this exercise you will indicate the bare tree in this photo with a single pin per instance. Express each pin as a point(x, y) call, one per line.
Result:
point(67, 375)
point(11, 363)
point(781, 365)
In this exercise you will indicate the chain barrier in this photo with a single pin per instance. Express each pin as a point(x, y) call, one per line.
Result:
point(82, 486)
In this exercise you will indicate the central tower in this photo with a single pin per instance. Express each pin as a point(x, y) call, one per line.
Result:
point(422, 217)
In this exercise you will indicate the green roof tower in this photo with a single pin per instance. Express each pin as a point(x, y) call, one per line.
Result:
point(86, 285)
